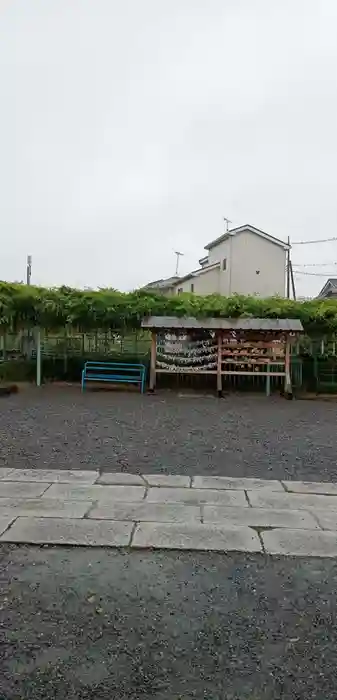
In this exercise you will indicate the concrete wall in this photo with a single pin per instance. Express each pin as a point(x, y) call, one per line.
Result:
point(258, 266)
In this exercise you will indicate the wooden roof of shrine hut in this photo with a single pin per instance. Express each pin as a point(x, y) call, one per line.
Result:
point(276, 325)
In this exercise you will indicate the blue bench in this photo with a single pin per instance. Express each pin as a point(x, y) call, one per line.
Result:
point(114, 372)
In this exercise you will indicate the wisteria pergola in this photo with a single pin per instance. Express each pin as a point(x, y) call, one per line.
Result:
point(222, 347)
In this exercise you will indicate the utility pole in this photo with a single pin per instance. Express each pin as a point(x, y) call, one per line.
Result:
point(290, 275)
point(292, 280)
point(178, 254)
point(288, 270)
point(227, 222)
point(29, 269)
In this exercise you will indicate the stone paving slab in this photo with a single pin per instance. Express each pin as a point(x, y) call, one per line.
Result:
point(5, 521)
point(225, 482)
point(65, 476)
point(169, 511)
point(310, 487)
point(260, 517)
point(148, 512)
point(21, 489)
point(195, 537)
point(169, 480)
point(67, 531)
point(44, 508)
point(4, 471)
point(119, 478)
point(300, 543)
point(196, 496)
point(97, 492)
point(291, 501)
point(327, 519)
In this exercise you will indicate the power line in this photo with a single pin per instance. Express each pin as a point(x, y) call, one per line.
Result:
point(314, 264)
point(320, 240)
point(315, 274)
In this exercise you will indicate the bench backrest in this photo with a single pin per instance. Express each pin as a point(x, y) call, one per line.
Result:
point(113, 368)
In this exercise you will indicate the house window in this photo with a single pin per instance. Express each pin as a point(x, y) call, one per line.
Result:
point(180, 290)
point(192, 288)
point(224, 264)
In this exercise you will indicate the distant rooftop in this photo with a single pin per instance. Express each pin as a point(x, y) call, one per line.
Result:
point(330, 288)
point(246, 227)
point(162, 283)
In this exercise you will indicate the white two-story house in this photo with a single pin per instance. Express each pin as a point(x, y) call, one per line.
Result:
point(244, 260)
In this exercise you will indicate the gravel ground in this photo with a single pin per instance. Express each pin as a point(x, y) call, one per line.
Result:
point(115, 431)
point(96, 624)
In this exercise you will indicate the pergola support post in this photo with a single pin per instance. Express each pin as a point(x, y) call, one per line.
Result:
point(288, 391)
point(219, 366)
point(153, 362)
point(268, 380)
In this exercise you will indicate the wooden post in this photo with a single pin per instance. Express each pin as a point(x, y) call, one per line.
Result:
point(219, 366)
point(38, 357)
point(153, 361)
point(268, 380)
point(288, 392)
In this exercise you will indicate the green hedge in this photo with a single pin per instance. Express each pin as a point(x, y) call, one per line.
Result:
point(51, 309)
point(57, 369)
point(18, 371)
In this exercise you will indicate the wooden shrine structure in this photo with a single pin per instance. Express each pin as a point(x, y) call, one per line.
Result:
point(222, 346)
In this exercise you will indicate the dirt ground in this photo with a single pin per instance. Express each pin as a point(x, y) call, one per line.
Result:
point(96, 624)
point(93, 624)
point(238, 435)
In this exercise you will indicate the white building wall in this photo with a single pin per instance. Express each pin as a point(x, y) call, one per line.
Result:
point(253, 265)
point(204, 283)
point(258, 266)
point(218, 254)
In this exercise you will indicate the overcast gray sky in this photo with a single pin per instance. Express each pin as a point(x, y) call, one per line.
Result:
point(129, 128)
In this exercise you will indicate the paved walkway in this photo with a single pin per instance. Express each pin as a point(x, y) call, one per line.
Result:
point(168, 512)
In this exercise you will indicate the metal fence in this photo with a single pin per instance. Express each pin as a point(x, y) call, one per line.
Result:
point(22, 345)
point(313, 361)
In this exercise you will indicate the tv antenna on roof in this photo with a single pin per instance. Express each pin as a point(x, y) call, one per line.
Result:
point(227, 222)
point(178, 254)
point(29, 269)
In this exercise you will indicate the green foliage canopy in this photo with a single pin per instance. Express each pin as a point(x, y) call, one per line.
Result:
point(24, 307)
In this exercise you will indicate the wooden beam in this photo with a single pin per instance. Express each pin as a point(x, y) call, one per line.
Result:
point(254, 374)
point(268, 381)
point(219, 368)
point(153, 361)
point(287, 384)
point(192, 372)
